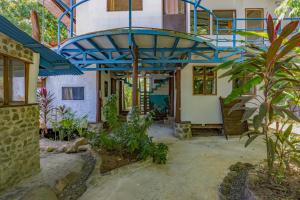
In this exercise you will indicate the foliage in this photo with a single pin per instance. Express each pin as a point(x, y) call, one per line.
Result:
point(111, 112)
point(18, 12)
point(288, 7)
point(68, 126)
point(129, 138)
point(275, 72)
point(45, 100)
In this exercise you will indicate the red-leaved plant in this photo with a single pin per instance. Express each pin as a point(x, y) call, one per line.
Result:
point(45, 99)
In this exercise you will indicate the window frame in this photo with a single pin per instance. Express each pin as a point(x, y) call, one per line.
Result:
point(133, 7)
point(192, 25)
point(6, 82)
point(262, 21)
point(214, 25)
point(72, 87)
point(204, 81)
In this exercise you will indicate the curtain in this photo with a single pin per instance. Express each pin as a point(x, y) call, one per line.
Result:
point(67, 93)
point(171, 7)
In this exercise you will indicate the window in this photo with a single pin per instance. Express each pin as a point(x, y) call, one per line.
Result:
point(205, 80)
point(13, 81)
point(239, 82)
point(174, 7)
point(254, 25)
point(73, 93)
point(123, 5)
point(203, 22)
point(17, 81)
point(1, 80)
point(225, 22)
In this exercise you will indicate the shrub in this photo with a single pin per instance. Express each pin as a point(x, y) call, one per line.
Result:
point(129, 138)
point(69, 126)
point(276, 73)
point(45, 99)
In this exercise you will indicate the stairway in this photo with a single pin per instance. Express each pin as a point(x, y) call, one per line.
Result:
point(144, 107)
point(232, 123)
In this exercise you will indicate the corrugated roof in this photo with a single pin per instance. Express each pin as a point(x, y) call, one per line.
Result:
point(51, 63)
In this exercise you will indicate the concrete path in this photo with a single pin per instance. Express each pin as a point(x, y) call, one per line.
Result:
point(194, 171)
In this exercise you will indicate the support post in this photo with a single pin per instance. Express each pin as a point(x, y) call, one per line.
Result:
point(145, 95)
point(71, 19)
point(99, 100)
point(135, 77)
point(195, 18)
point(171, 93)
point(120, 97)
point(36, 34)
point(178, 96)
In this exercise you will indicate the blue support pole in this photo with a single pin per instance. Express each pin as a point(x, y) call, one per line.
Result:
point(195, 17)
point(234, 26)
point(71, 18)
point(130, 23)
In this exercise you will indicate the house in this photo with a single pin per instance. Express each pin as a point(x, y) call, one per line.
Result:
point(168, 61)
point(22, 59)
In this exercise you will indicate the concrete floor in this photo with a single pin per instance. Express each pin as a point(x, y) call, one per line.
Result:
point(194, 170)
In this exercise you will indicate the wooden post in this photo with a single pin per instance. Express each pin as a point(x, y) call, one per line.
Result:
point(145, 95)
point(135, 77)
point(36, 34)
point(178, 96)
point(120, 97)
point(171, 93)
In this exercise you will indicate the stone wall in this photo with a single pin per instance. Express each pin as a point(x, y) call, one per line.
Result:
point(19, 144)
point(14, 49)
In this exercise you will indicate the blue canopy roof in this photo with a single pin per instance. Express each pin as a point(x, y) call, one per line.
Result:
point(51, 63)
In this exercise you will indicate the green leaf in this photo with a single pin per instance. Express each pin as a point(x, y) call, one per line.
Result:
point(257, 122)
point(253, 33)
point(248, 113)
point(291, 115)
point(287, 132)
point(225, 65)
point(250, 140)
point(237, 106)
point(249, 133)
point(242, 90)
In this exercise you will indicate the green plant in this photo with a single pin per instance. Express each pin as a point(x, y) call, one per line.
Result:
point(18, 12)
point(111, 112)
point(45, 99)
point(68, 125)
point(129, 138)
point(275, 72)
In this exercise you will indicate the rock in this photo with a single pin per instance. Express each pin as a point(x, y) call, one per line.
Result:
point(80, 142)
point(85, 148)
point(68, 180)
point(73, 148)
point(40, 193)
point(50, 149)
point(62, 149)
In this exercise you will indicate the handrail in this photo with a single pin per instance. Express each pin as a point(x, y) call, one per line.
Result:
point(197, 4)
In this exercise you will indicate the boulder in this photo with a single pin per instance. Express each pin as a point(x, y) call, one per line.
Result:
point(73, 148)
point(85, 148)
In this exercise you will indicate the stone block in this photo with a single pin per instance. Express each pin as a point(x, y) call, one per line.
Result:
point(183, 130)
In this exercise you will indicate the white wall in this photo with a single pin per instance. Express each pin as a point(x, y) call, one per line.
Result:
point(201, 109)
point(82, 107)
point(93, 16)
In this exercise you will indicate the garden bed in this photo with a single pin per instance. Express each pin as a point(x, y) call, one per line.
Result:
point(111, 160)
point(247, 182)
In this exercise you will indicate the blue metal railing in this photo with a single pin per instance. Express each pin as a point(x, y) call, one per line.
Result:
point(228, 40)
